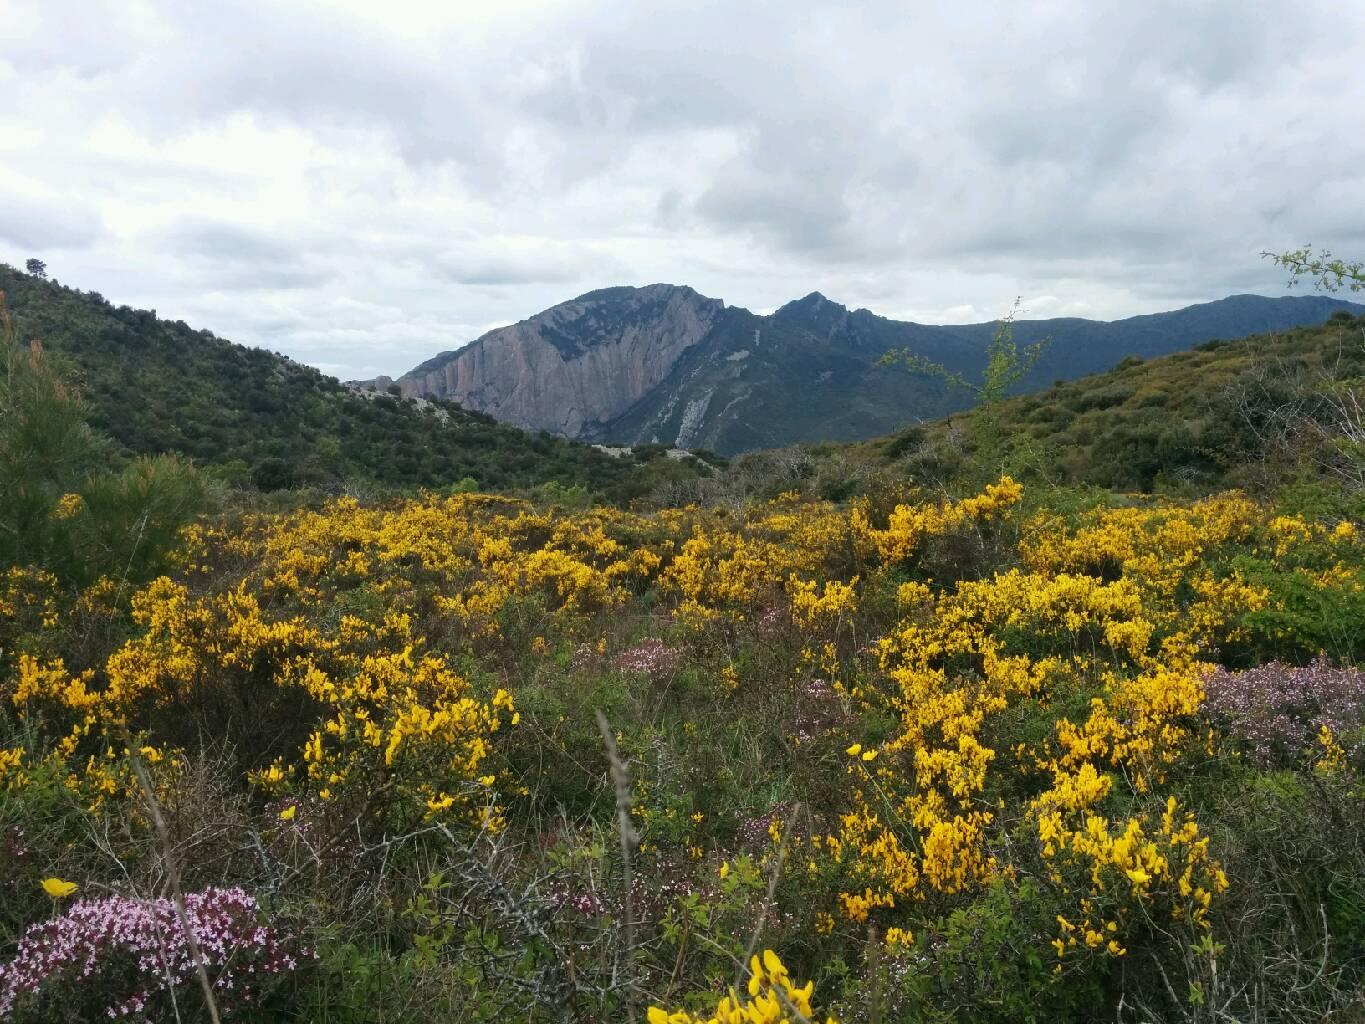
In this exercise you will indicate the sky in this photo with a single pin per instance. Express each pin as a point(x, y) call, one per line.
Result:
point(360, 185)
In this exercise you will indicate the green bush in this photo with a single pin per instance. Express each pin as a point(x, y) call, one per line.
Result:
point(67, 504)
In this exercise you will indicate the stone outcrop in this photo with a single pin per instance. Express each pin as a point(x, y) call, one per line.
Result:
point(580, 363)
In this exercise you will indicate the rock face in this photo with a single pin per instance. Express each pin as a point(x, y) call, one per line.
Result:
point(577, 365)
point(663, 364)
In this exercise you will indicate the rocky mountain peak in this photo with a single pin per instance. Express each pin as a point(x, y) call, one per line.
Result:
point(664, 363)
point(815, 313)
point(815, 303)
point(603, 316)
point(581, 362)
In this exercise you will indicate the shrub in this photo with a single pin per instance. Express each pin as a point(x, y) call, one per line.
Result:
point(1276, 712)
point(131, 959)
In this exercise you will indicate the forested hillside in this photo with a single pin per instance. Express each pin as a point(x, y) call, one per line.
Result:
point(1243, 412)
point(159, 386)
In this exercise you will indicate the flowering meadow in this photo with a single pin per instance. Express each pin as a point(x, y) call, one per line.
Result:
point(990, 756)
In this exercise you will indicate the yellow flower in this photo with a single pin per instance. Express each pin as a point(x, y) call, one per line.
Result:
point(67, 506)
point(854, 750)
point(869, 755)
point(724, 869)
point(288, 813)
point(59, 889)
point(899, 937)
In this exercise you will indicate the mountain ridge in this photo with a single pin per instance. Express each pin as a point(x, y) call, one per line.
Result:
point(157, 386)
point(663, 363)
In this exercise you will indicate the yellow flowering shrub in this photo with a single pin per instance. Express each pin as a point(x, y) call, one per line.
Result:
point(910, 524)
point(771, 998)
point(1128, 605)
point(877, 741)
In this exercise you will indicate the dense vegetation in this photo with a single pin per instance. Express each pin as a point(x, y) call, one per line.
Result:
point(949, 760)
point(1244, 412)
point(946, 748)
point(156, 386)
point(1263, 413)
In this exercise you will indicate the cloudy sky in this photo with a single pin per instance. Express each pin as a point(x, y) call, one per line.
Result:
point(362, 184)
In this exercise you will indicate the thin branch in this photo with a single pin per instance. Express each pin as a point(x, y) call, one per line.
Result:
point(173, 876)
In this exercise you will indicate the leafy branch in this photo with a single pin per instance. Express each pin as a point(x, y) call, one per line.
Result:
point(1327, 272)
point(1005, 365)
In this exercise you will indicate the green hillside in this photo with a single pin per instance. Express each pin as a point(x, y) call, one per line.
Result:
point(1227, 413)
point(157, 386)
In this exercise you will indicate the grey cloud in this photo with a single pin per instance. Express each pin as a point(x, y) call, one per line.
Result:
point(377, 183)
point(43, 224)
point(236, 258)
point(799, 215)
point(218, 240)
point(494, 268)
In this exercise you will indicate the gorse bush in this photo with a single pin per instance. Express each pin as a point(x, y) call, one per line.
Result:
point(939, 757)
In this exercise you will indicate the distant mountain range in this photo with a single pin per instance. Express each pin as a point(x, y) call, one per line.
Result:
point(665, 364)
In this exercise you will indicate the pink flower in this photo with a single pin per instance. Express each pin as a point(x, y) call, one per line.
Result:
point(127, 952)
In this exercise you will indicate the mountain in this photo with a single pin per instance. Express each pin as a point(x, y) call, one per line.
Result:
point(664, 364)
point(570, 366)
point(159, 386)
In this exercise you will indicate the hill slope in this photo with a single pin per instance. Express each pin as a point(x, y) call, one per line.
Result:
point(1226, 413)
point(159, 386)
point(665, 364)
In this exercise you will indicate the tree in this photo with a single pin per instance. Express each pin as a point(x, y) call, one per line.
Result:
point(1005, 364)
point(1335, 413)
point(37, 268)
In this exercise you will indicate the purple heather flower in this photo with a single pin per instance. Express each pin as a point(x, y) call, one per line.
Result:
point(131, 950)
point(651, 657)
point(1275, 711)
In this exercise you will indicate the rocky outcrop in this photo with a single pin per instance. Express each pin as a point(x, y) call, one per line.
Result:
point(577, 364)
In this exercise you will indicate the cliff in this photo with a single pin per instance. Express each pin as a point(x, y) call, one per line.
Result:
point(579, 364)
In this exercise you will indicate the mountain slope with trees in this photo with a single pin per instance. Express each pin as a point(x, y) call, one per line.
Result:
point(1264, 413)
point(1225, 413)
point(156, 386)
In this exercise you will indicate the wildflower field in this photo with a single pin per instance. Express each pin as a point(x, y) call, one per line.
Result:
point(912, 757)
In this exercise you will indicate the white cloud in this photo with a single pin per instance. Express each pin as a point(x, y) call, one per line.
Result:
point(361, 187)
